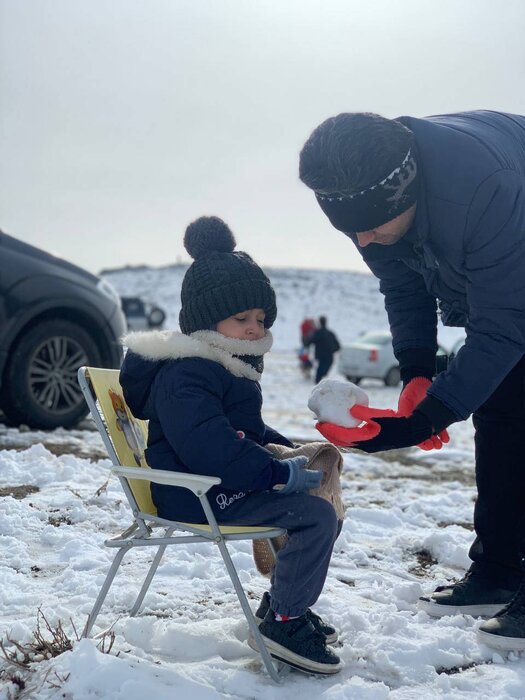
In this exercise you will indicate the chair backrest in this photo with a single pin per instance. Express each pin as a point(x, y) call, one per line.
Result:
point(124, 435)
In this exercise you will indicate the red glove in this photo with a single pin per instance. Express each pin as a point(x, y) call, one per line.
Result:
point(346, 437)
point(384, 430)
point(413, 393)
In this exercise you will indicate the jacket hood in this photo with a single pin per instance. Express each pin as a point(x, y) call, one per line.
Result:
point(149, 351)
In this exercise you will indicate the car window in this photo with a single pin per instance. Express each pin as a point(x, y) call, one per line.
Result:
point(133, 306)
point(376, 338)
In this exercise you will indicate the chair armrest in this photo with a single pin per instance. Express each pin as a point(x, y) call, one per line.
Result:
point(194, 482)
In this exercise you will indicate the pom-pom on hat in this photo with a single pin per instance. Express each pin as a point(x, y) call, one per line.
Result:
point(221, 281)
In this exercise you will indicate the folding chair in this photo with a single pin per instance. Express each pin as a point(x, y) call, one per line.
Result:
point(125, 438)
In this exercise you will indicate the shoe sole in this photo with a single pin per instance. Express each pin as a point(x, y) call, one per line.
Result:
point(497, 641)
point(300, 663)
point(439, 610)
point(330, 638)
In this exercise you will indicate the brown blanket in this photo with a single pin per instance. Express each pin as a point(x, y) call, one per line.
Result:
point(321, 456)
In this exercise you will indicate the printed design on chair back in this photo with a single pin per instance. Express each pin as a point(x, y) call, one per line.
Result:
point(130, 428)
point(127, 433)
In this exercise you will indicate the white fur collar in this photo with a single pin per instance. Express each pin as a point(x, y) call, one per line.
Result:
point(173, 345)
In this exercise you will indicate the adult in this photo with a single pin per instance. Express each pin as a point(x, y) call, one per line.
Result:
point(436, 207)
point(326, 345)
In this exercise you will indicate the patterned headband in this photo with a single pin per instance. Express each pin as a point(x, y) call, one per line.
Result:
point(408, 163)
point(375, 205)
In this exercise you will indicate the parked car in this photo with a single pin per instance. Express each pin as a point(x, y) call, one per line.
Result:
point(54, 317)
point(141, 315)
point(371, 356)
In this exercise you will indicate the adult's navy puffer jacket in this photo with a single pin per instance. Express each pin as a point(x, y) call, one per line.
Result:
point(466, 249)
point(196, 394)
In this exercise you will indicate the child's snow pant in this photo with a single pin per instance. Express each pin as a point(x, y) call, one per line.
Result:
point(300, 571)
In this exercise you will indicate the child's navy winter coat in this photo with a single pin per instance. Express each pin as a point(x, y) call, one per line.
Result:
point(200, 395)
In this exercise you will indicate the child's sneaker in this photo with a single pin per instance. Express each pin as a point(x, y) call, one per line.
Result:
point(298, 644)
point(329, 632)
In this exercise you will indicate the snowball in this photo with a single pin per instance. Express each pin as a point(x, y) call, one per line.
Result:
point(331, 400)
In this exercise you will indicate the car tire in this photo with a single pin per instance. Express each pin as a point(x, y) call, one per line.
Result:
point(392, 377)
point(40, 385)
point(354, 380)
point(156, 317)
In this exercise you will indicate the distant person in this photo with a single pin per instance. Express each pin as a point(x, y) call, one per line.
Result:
point(326, 345)
point(305, 362)
point(436, 207)
point(200, 391)
point(308, 328)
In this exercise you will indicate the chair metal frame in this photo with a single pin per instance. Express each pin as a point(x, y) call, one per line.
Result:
point(141, 533)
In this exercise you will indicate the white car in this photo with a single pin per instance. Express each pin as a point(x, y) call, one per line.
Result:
point(371, 356)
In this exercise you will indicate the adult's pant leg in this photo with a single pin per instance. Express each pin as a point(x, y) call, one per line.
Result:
point(301, 567)
point(323, 368)
point(499, 513)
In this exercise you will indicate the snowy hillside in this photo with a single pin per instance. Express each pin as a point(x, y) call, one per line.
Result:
point(350, 300)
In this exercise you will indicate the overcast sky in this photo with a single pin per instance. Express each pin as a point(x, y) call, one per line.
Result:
point(123, 120)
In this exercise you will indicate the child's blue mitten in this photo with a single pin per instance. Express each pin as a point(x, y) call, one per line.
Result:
point(300, 479)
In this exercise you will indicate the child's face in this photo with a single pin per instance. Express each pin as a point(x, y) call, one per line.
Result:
point(246, 325)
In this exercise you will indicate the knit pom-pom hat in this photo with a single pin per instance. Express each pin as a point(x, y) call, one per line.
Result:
point(220, 282)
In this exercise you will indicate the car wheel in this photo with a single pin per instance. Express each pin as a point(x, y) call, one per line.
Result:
point(156, 317)
point(393, 377)
point(40, 383)
point(354, 380)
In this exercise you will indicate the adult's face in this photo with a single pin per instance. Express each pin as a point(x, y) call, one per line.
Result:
point(389, 233)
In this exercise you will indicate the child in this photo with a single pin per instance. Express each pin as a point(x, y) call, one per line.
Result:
point(200, 391)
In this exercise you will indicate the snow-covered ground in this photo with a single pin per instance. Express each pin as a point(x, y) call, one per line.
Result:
point(408, 527)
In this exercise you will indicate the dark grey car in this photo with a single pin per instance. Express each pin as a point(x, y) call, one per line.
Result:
point(54, 317)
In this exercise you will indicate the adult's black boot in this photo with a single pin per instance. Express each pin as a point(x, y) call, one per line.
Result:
point(506, 630)
point(481, 593)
